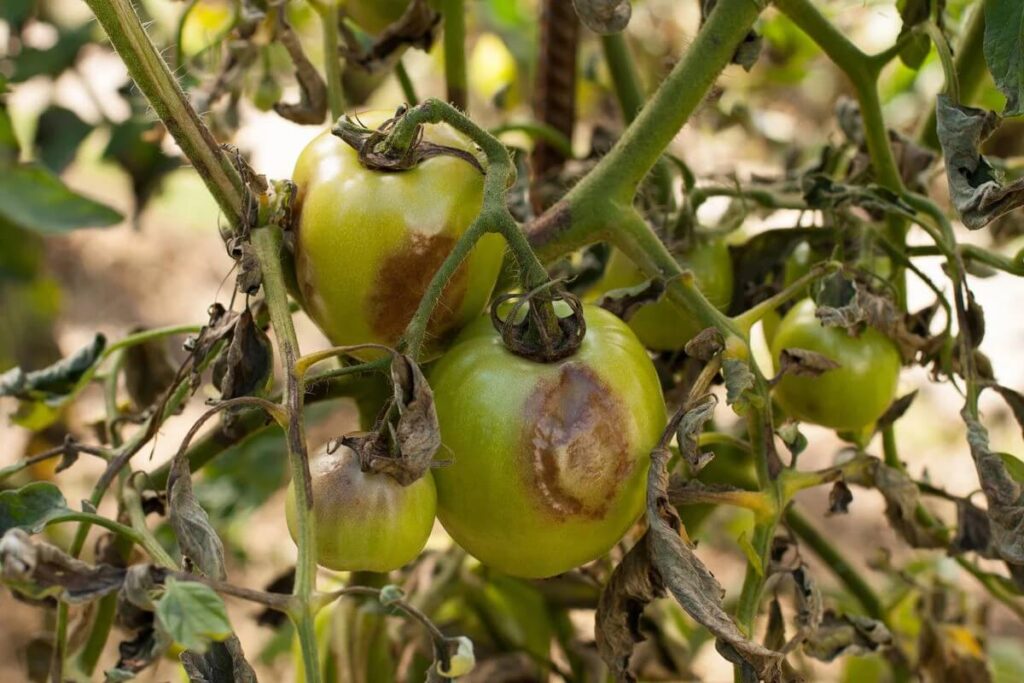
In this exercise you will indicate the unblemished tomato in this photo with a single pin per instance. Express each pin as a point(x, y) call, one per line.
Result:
point(373, 16)
point(662, 326)
point(364, 521)
point(369, 241)
point(849, 397)
point(548, 460)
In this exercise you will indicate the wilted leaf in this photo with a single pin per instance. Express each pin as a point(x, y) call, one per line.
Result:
point(405, 448)
point(246, 367)
point(689, 430)
point(1004, 50)
point(804, 363)
point(794, 439)
point(739, 380)
point(823, 192)
point(975, 187)
point(839, 635)
point(706, 344)
point(973, 532)
point(749, 49)
point(416, 27)
point(901, 500)
point(868, 308)
point(839, 498)
point(604, 16)
point(38, 569)
point(31, 507)
point(1005, 494)
point(625, 302)
point(192, 614)
point(223, 662)
point(896, 410)
point(196, 536)
point(775, 632)
point(311, 109)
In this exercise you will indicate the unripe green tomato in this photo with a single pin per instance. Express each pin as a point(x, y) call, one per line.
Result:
point(662, 326)
point(548, 461)
point(373, 16)
point(369, 242)
point(849, 397)
point(364, 521)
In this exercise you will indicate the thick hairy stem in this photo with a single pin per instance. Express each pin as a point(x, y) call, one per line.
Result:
point(554, 92)
point(149, 71)
point(268, 245)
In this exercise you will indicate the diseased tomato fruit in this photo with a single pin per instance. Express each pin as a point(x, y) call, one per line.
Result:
point(849, 397)
point(548, 460)
point(662, 326)
point(370, 241)
point(364, 521)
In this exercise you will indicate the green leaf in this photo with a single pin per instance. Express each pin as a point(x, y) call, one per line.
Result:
point(52, 61)
point(1004, 50)
point(37, 200)
point(16, 12)
point(1014, 466)
point(914, 12)
point(58, 135)
point(8, 140)
point(193, 614)
point(31, 507)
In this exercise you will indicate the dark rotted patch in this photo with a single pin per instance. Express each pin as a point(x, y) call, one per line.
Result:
point(404, 277)
point(576, 453)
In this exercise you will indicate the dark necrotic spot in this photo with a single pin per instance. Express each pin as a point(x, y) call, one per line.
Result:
point(402, 280)
point(576, 453)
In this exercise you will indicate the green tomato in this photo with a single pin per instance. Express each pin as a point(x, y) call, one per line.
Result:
point(369, 242)
point(548, 461)
point(849, 397)
point(373, 16)
point(364, 521)
point(662, 326)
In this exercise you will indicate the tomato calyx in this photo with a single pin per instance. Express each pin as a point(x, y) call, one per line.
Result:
point(533, 329)
point(377, 155)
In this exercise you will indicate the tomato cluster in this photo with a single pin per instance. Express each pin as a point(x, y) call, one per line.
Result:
point(543, 464)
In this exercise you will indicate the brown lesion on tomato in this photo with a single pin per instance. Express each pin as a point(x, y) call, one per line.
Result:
point(576, 452)
point(403, 278)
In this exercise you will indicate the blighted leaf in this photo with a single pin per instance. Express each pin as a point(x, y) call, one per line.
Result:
point(38, 569)
point(625, 302)
point(221, 327)
point(689, 430)
point(31, 507)
point(148, 372)
point(311, 109)
point(896, 410)
point(135, 654)
point(192, 614)
point(973, 532)
point(416, 27)
point(822, 192)
point(794, 439)
point(461, 659)
point(739, 380)
point(706, 344)
point(1014, 399)
point(840, 635)
point(246, 367)
point(975, 186)
point(749, 49)
point(685, 576)
point(804, 363)
point(223, 661)
point(250, 273)
point(839, 498)
point(1005, 495)
point(633, 584)
point(196, 536)
point(1004, 50)
point(33, 198)
point(604, 16)
point(868, 308)
point(901, 500)
point(403, 448)
point(775, 632)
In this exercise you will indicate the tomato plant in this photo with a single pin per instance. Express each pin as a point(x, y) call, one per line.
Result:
point(339, 301)
point(560, 445)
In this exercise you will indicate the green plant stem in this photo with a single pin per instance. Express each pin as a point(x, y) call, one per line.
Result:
point(454, 13)
point(267, 242)
point(836, 562)
point(625, 79)
point(328, 10)
point(969, 65)
point(952, 88)
point(151, 74)
point(538, 131)
point(408, 88)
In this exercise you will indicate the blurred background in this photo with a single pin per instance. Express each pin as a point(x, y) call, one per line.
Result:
point(164, 264)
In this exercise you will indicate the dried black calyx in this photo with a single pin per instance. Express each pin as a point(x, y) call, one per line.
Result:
point(376, 154)
point(543, 325)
